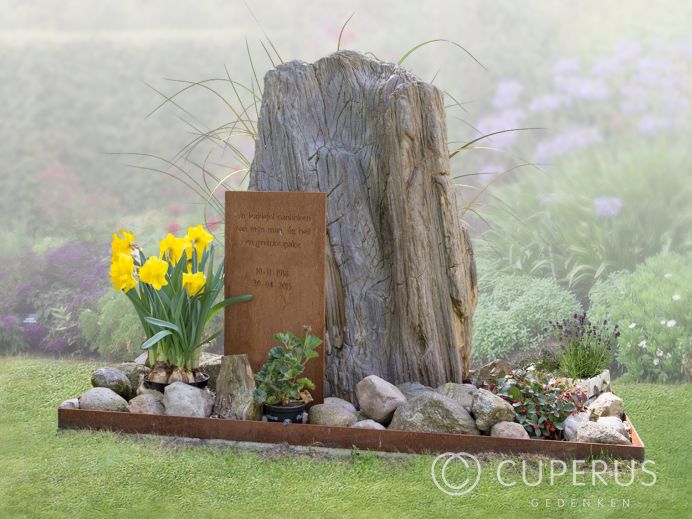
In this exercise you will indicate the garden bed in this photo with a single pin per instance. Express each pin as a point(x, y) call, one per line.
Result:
point(340, 437)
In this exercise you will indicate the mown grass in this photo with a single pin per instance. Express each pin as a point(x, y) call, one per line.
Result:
point(44, 473)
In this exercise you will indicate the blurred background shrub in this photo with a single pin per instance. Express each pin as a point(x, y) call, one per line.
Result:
point(513, 314)
point(603, 184)
point(592, 213)
point(652, 307)
point(112, 329)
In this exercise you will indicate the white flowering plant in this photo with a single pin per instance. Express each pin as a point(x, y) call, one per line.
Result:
point(652, 307)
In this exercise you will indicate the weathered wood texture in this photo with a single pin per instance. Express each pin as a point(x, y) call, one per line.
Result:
point(401, 287)
point(234, 388)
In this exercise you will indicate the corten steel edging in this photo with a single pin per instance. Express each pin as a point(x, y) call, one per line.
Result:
point(340, 437)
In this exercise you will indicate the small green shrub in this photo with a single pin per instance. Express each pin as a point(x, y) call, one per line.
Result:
point(539, 407)
point(586, 348)
point(513, 313)
point(278, 381)
point(652, 307)
point(113, 330)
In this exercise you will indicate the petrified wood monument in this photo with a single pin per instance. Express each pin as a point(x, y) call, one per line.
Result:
point(401, 287)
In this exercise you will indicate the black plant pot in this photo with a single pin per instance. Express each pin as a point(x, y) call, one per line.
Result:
point(158, 386)
point(289, 413)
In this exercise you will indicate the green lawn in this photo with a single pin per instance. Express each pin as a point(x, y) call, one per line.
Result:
point(98, 474)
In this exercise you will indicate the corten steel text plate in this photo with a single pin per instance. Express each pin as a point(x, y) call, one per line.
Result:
point(342, 437)
point(276, 251)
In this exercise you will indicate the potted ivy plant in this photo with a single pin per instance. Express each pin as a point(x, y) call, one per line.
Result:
point(175, 295)
point(280, 386)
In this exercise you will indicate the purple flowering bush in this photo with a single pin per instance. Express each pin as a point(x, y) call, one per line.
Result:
point(585, 348)
point(47, 291)
point(610, 183)
point(592, 214)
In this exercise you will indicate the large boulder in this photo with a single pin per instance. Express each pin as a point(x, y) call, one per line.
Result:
point(509, 430)
point(413, 389)
point(462, 393)
point(149, 403)
point(102, 399)
point(340, 402)
point(595, 432)
point(334, 415)
point(180, 399)
point(368, 424)
point(489, 409)
point(432, 412)
point(113, 379)
point(607, 404)
point(572, 423)
point(378, 398)
point(616, 424)
point(136, 373)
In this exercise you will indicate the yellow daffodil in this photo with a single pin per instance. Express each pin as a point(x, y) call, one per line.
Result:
point(194, 283)
point(121, 245)
point(173, 248)
point(198, 238)
point(122, 272)
point(153, 272)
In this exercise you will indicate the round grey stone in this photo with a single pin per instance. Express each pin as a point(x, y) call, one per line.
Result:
point(368, 424)
point(135, 373)
point(149, 403)
point(413, 389)
point(462, 393)
point(595, 432)
point(509, 430)
point(113, 379)
point(332, 400)
point(378, 398)
point(180, 399)
point(334, 415)
point(102, 399)
point(432, 412)
point(488, 408)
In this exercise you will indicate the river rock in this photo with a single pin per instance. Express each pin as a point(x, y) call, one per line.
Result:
point(595, 432)
point(136, 373)
point(368, 424)
point(113, 379)
point(614, 422)
point(149, 403)
point(102, 399)
point(607, 404)
point(72, 403)
point(509, 430)
point(334, 415)
point(180, 399)
point(413, 389)
point(378, 398)
point(572, 423)
point(489, 409)
point(432, 412)
point(332, 400)
point(462, 393)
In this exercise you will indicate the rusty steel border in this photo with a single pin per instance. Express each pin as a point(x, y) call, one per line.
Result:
point(340, 437)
